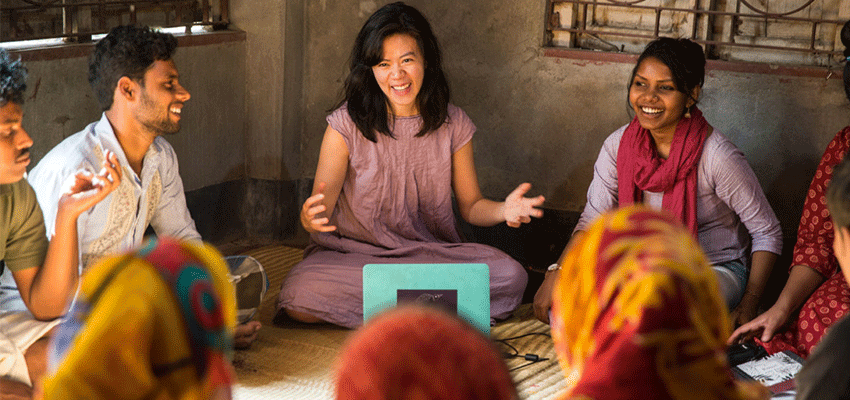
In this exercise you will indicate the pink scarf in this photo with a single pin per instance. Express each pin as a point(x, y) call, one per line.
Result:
point(640, 168)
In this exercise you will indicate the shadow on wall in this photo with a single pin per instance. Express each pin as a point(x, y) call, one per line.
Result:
point(535, 245)
point(787, 202)
point(246, 209)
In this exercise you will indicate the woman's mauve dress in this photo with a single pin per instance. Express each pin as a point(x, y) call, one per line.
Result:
point(395, 206)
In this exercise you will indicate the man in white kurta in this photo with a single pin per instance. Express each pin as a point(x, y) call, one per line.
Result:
point(153, 197)
point(137, 85)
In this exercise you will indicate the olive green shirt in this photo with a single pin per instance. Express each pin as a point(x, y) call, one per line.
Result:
point(23, 242)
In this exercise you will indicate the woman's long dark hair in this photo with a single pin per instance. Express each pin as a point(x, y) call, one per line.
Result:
point(367, 104)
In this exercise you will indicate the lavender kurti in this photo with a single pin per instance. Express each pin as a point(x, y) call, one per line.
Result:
point(395, 206)
point(733, 214)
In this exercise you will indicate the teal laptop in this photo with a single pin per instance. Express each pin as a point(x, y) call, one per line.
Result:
point(463, 289)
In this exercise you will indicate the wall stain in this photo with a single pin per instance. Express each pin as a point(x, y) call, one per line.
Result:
point(367, 8)
point(62, 119)
point(35, 90)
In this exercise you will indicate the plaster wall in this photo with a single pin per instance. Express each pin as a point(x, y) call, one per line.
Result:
point(543, 119)
point(265, 30)
point(211, 144)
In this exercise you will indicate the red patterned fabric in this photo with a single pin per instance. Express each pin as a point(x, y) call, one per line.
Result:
point(813, 249)
point(637, 314)
point(640, 168)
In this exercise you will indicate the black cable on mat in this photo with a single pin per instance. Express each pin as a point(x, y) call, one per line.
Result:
point(533, 358)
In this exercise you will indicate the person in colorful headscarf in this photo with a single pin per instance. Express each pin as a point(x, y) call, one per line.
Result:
point(637, 313)
point(416, 352)
point(154, 323)
point(670, 158)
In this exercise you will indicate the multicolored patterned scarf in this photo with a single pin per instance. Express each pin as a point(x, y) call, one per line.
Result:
point(640, 168)
point(421, 353)
point(196, 295)
point(637, 313)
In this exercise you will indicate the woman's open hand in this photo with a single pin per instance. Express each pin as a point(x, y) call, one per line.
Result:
point(518, 209)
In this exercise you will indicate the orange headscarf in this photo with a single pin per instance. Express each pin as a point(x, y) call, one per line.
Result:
point(637, 313)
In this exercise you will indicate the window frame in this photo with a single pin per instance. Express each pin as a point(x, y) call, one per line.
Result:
point(699, 23)
point(82, 21)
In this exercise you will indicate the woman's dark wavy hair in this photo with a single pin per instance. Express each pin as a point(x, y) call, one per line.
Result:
point(367, 104)
point(13, 79)
point(126, 51)
point(685, 59)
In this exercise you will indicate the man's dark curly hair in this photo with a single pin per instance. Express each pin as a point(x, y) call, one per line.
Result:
point(126, 51)
point(13, 79)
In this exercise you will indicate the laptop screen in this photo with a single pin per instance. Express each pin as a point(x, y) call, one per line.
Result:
point(444, 299)
point(463, 289)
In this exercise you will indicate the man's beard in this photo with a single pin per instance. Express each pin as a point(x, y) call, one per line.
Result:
point(164, 126)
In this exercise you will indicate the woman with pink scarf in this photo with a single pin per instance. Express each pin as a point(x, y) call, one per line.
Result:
point(669, 157)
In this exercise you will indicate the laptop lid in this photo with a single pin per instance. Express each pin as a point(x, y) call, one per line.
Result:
point(463, 289)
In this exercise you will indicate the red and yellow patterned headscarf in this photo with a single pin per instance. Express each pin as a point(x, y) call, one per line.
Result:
point(637, 313)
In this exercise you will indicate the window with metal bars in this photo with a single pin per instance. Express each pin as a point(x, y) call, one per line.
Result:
point(790, 32)
point(78, 20)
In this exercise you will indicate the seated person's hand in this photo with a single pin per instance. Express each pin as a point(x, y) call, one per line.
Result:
point(519, 209)
point(543, 297)
point(745, 311)
point(765, 325)
point(245, 334)
point(311, 219)
point(85, 189)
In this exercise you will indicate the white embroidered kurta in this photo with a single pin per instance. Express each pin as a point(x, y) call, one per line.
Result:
point(117, 223)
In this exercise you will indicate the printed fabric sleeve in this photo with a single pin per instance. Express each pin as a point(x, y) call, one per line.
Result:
point(172, 217)
point(602, 193)
point(26, 245)
point(736, 184)
point(814, 234)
